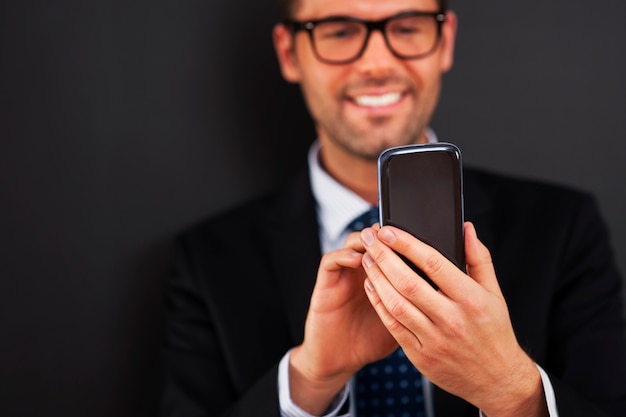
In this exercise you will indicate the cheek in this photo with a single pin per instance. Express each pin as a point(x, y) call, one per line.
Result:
point(322, 87)
point(426, 76)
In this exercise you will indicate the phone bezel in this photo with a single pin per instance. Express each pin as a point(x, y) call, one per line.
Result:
point(449, 148)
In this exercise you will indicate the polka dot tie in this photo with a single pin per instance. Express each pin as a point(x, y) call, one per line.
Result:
point(364, 220)
point(391, 387)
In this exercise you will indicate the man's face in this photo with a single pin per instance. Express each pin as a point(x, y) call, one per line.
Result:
point(377, 101)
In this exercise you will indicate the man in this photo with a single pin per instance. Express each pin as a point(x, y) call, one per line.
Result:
point(260, 323)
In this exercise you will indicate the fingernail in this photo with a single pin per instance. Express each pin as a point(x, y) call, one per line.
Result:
point(386, 235)
point(368, 285)
point(367, 260)
point(367, 236)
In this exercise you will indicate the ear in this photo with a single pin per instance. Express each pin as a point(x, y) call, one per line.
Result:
point(285, 51)
point(448, 37)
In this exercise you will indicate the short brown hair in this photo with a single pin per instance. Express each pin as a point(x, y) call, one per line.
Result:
point(287, 7)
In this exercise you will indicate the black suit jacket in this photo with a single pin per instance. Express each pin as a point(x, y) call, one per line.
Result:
point(241, 284)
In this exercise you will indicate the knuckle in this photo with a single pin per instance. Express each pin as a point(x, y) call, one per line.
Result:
point(472, 306)
point(432, 265)
point(442, 347)
point(398, 310)
point(324, 262)
point(407, 285)
point(327, 262)
point(377, 303)
point(454, 327)
point(484, 253)
point(380, 256)
point(487, 255)
point(394, 326)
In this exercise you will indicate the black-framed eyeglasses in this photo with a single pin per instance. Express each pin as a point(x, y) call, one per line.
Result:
point(343, 39)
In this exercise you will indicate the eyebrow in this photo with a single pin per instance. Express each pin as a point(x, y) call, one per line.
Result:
point(350, 17)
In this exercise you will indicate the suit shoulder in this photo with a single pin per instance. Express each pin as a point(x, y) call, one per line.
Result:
point(255, 215)
point(242, 215)
point(513, 187)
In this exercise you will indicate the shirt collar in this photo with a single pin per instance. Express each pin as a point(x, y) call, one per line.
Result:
point(337, 205)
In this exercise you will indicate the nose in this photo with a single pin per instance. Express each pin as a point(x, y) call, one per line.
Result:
point(376, 58)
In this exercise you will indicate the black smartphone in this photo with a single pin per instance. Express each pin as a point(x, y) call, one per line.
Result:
point(420, 190)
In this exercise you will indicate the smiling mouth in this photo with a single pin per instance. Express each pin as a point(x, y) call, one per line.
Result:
point(378, 100)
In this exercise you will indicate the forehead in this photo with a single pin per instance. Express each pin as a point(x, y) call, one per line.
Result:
point(367, 9)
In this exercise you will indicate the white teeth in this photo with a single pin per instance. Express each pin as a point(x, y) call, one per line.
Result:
point(378, 101)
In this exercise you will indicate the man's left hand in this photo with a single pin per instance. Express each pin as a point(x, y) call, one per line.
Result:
point(460, 336)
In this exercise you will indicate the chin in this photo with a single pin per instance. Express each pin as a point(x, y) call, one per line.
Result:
point(372, 153)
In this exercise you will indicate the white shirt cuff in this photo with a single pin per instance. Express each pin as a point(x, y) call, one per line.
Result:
point(549, 393)
point(288, 408)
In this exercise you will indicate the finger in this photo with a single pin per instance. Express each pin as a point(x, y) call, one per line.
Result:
point(403, 320)
point(448, 277)
point(479, 262)
point(400, 275)
point(334, 262)
point(353, 241)
point(341, 258)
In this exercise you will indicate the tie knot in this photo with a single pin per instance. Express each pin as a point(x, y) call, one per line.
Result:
point(364, 220)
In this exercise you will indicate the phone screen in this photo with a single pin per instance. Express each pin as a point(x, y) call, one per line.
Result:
point(421, 192)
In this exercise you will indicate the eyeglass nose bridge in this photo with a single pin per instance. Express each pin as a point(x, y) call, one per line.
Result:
point(370, 27)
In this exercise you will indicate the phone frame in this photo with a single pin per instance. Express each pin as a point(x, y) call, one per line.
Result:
point(458, 258)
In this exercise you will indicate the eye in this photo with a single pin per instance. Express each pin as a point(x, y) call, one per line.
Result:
point(338, 30)
point(406, 29)
point(409, 26)
point(338, 34)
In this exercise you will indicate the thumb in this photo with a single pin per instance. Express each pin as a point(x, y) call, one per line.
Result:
point(479, 263)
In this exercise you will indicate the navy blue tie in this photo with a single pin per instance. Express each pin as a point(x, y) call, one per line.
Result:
point(364, 220)
point(391, 387)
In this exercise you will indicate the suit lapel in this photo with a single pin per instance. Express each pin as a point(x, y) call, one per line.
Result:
point(294, 244)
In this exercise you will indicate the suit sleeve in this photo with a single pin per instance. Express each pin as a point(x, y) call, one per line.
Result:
point(197, 381)
point(588, 357)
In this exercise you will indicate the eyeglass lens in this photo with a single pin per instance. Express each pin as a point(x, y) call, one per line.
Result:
point(407, 36)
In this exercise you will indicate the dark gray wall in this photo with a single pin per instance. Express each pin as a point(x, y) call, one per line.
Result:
point(123, 122)
point(538, 90)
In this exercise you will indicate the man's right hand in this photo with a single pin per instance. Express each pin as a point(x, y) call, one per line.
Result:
point(342, 333)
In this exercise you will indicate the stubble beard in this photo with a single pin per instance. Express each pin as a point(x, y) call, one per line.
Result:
point(367, 139)
point(367, 142)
